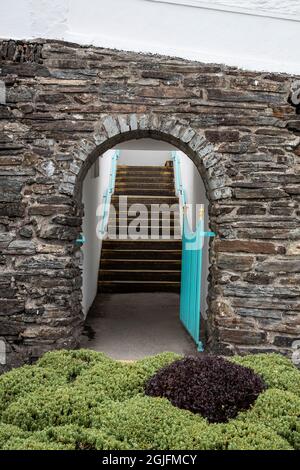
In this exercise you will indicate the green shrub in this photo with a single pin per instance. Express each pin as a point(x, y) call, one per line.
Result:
point(53, 407)
point(8, 431)
point(153, 423)
point(26, 379)
point(119, 381)
point(233, 435)
point(69, 437)
point(31, 443)
point(70, 364)
point(115, 382)
point(277, 371)
point(96, 379)
point(145, 422)
point(249, 436)
point(84, 400)
point(280, 411)
point(80, 438)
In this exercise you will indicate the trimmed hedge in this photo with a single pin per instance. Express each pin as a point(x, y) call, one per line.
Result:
point(84, 400)
point(281, 411)
point(277, 371)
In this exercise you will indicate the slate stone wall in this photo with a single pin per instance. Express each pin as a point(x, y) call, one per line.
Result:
point(66, 104)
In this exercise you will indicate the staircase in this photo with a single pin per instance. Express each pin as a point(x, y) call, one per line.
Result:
point(142, 265)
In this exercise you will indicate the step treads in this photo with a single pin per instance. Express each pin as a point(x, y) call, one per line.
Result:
point(161, 170)
point(147, 184)
point(153, 179)
point(156, 199)
point(157, 202)
point(138, 286)
point(142, 244)
point(143, 265)
point(140, 264)
point(154, 222)
point(139, 275)
point(141, 254)
point(160, 167)
point(144, 192)
point(164, 234)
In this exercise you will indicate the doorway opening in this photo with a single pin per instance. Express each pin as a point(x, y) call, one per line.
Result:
point(136, 198)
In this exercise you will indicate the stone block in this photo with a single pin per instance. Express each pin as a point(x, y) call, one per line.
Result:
point(11, 307)
point(24, 247)
point(280, 265)
point(235, 263)
point(240, 336)
point(248, 246)
point(111, 126)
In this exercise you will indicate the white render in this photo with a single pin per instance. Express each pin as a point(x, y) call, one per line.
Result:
point(252, 34)
point(92, 194)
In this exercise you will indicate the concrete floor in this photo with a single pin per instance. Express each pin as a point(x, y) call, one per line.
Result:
point(132, 326)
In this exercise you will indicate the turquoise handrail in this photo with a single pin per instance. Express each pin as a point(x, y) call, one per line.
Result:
point(180, 192)
point(106, 198)
point(108, 193)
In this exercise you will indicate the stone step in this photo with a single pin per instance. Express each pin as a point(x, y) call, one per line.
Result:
point(141, 254)
point(139, 275)
point(143, 191)
point(143, 265)
point(135, 245)
point(147, 200)
point(146, 184)
point(154, 231)
point(145, 169)
point(140, 264)
point(172, 215)
point(138, 286)
point(120, 219)
point(140, 179)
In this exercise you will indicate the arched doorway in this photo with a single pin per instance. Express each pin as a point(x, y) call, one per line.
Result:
point(132, 270)
point(187, 140)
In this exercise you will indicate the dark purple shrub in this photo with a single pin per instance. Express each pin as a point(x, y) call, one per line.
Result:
point(211, 386)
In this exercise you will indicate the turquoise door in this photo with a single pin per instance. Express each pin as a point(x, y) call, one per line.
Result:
point(190, 292)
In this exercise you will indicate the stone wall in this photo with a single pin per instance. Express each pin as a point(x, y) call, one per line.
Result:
point(66, 104)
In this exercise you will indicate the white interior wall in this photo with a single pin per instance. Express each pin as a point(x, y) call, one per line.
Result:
point(92, 193)
point(252, 34)
point(144, 157)
point(146, 144)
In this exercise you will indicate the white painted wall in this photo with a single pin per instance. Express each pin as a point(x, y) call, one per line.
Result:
point(144, 157)
point(145, 144)
point(93, 190)
point(252, 34)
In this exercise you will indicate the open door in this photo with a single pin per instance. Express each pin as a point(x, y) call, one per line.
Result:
point(191, 268)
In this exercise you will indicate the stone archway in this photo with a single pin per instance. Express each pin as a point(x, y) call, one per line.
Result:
point(199, 149)
point(58, 323)
point(192, 143)
point(65, 105)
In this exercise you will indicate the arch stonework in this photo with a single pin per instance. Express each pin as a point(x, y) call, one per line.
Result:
point(66, 105)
